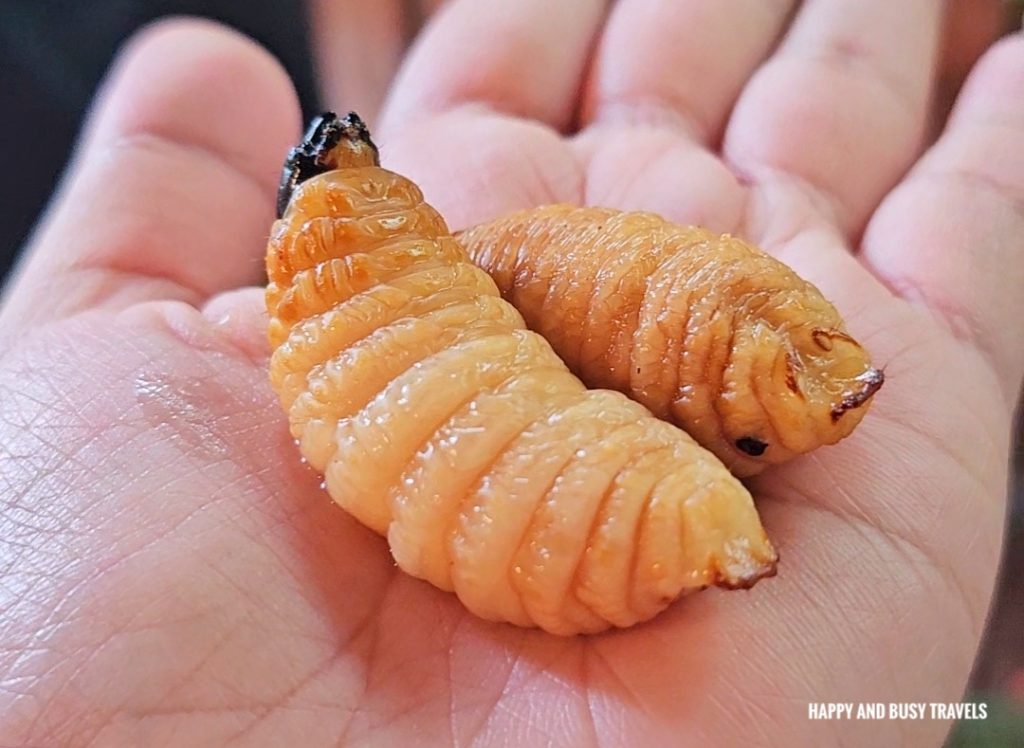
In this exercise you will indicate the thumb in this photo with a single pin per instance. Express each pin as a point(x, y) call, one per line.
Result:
point(171, 192)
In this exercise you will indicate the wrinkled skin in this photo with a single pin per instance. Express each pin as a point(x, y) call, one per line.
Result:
point(172, 575)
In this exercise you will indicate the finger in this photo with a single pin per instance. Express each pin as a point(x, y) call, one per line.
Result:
point(949, 237)
point(240, 316)
point(661, 170)
point(841, 108)
point(427, 7)
point(970, 28)
point(358, 47)
point(524, 58)
point(680, 63)
point(474, 166)
point(171, 194)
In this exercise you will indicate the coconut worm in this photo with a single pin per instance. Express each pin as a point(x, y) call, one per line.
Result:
point(705, 330)
point(440, 421)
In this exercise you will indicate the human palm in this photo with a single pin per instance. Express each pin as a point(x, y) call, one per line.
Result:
point(173, 575)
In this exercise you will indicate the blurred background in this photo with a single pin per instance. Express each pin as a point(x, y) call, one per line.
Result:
point(53, 54)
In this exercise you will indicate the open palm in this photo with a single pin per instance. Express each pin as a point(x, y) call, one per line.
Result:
point(172, 575)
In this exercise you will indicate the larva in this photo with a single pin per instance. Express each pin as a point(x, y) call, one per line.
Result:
point(707, 331)
point(440, 421)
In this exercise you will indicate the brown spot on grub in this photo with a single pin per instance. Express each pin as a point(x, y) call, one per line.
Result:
point(792, 366)
point(823, 338)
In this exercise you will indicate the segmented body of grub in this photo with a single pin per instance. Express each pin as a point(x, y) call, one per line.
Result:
point(705, 330)
point(441, 422)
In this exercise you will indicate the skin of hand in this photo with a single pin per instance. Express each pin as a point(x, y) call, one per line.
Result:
point(358, 47)
point(171, 574)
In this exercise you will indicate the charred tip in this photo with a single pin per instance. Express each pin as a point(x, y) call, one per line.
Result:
point(745, 581)
point(319, 151)
point(871, 381)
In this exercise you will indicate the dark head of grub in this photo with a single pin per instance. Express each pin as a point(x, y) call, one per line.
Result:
point(324, 147)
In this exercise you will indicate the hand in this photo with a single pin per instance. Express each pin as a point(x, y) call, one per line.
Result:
point(172, 574)
point(358, 46)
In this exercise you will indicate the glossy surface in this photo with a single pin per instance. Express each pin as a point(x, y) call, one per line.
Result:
point(707, 331)
point(439, 421)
